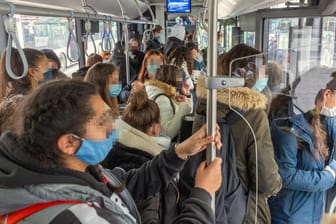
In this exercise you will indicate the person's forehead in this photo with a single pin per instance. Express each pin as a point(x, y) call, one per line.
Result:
point(155, 57)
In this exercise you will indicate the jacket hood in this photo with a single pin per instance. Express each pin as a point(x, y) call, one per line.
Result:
point(166, 88)
point(178, 31)
point(242, 98)
point(140, 140)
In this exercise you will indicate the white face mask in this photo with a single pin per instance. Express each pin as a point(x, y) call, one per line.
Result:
point(328, 112)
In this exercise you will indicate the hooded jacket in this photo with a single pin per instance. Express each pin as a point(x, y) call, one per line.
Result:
point(170, 122)
point(23, 183)
point(252, 105)
point(305, 180)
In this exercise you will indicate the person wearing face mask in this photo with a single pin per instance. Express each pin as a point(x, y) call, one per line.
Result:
point(54, 63)
point(152, 61)
point(253, 106)
point(154, 43)
point(141, 123)
point(106, 78)
point(12, 91)
point(49, 171)
point(304, 150)
point(135, 55)
point(173, 106)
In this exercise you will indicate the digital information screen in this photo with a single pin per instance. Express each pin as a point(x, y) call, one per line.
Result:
point(178, 6)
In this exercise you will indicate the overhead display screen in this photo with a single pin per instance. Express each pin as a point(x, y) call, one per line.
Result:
point(178, 6)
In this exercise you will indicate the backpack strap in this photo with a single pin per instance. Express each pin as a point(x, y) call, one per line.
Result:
point(166, 95)
point(19, 215)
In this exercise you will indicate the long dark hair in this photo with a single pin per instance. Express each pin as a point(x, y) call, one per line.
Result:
point(181, 54)
point(54, 109)
point(99, 74)
point(20, 86)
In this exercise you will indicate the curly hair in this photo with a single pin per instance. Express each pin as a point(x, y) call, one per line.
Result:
point(52, 110)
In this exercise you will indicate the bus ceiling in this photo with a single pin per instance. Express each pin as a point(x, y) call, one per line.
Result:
point(98, 10)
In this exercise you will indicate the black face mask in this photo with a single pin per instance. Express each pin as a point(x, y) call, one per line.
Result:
point(135, 50)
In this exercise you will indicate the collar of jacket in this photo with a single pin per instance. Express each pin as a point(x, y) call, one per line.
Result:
point(168, 89)
point(140, 140)
point(302, 129)
point(242, 98)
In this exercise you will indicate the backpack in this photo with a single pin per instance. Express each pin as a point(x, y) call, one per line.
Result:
point(231, 198)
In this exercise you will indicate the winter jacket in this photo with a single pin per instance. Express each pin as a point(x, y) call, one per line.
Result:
point(305, 180)
point(171, 44)
point(23, 183)
point(252, 105)
point(170, 122)
point(153, 43)
point(132, 154)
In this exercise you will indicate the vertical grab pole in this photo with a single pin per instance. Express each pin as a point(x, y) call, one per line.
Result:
point(212, 93)
point(125, 34)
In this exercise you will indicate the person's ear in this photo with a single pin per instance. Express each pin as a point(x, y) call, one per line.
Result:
point(68, 144)
point(154, 130)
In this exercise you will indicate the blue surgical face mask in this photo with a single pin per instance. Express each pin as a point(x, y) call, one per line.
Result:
point(260, 84)
point(48, 74)
point(129, 53)
point(158, 37)
point(152, 68)
point(114, 90)
point(93, 152)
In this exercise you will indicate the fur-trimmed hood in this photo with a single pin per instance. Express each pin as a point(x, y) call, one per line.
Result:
point(242, 98)
point(140, 140)
point(166, 88)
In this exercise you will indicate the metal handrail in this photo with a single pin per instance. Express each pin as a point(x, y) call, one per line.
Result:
point(10, 26)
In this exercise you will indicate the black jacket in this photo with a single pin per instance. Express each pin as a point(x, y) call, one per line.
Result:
point(171, 44)
point(24, 182)
point(158, 208)
point(153, 43)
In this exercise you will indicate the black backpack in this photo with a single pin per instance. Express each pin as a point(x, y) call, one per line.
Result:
point(231, 199)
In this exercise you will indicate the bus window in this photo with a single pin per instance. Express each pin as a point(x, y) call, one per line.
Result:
point(40, 32)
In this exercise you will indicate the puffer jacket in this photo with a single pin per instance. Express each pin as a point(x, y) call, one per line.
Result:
point(170, 122)
point(252, 105)
point(305, 180)
point(23, 183)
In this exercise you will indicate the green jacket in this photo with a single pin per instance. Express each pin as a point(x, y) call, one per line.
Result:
point(253, 106)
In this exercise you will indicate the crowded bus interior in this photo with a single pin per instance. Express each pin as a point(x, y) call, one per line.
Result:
point(168, 111)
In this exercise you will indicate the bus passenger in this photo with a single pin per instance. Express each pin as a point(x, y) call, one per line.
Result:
point(154, 42)
point(106, 79)
point(91, 60)
point(181, 57)
point(54, 63)
point(258, 183)
point(305, 156)
point(152, 61)
point(50, 163)
point(135, 55)
point(172, 105)
point(141, 123)
point(13, 90)
point(176, 39)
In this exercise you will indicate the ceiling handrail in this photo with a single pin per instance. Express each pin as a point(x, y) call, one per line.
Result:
point(10, 26)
